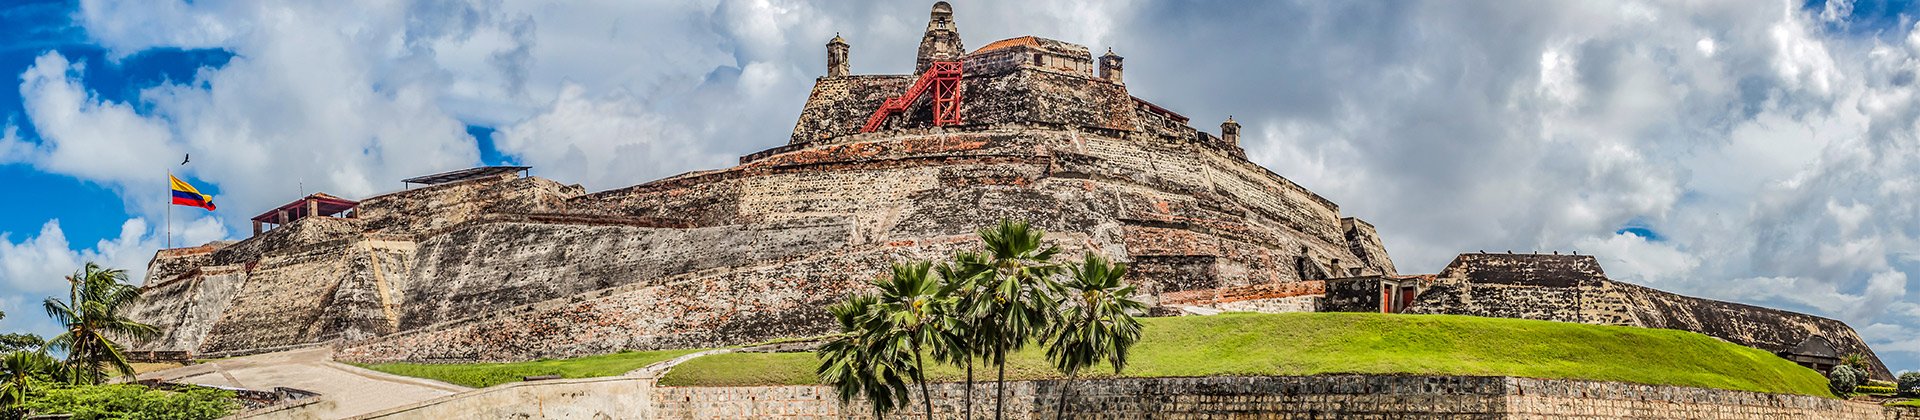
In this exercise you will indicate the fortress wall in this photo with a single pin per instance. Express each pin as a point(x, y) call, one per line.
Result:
point(170, 263)
point(1366, 246)
point(1763, 328)
point(299, 235)
point(706, 309)
point(1041, 96)
point(366, 303)
point(437, 207)
point(1186, 215)
point(838, 106)
point(184, 310)
point(1328, 396)
point(488, 266)
point(281, 302)
point(1570, 288)
point(1153, 124)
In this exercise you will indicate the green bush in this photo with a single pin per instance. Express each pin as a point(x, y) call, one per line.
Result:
point(89, 402)
point(1875, 390)
point(1844, 380)
point(1909, 383)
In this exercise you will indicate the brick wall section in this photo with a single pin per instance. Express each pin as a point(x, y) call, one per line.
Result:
point(1331, 396)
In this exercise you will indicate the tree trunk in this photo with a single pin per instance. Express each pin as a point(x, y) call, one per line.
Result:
point(1061, 411)
point(969, 408)
point(1000, 363)
point(1000, 388)
point(920, 368)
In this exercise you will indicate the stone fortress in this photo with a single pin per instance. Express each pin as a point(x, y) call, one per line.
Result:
point(487, 264)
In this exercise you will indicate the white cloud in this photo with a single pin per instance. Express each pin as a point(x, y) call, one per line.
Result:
point(13, 149)
point(1801, 59)
point(596, 141)
point(33, 268)
point(86, 137)
point(1629, 257)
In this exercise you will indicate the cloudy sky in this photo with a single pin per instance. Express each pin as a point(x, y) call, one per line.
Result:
point(1742, 150)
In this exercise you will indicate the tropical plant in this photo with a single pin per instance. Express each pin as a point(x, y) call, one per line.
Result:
point(1859, 363)
point(126, 401)
point(857, 364)
point(1017, 305)
point(1096, 321)
point(1843, 380)
point(915, 314)
point(959, 343)
point(1909, 383)
point(10, 342)
point(93, 320)
point(19, 371)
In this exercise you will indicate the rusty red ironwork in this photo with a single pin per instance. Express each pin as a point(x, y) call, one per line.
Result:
point(943, 77)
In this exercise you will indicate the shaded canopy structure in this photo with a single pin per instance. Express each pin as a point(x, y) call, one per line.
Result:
point(316, 204)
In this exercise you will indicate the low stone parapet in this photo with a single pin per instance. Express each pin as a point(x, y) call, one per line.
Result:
point(1327, 396)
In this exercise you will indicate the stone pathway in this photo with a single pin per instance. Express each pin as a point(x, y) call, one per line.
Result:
point(352, 390)
point(660, 368)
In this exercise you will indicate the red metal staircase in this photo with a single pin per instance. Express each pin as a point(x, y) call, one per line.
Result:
point(944, 78)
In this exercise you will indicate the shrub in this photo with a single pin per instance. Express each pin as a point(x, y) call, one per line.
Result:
point(1843, 380)
point(1909, 383)
point(1875, 390)
point(87, 402)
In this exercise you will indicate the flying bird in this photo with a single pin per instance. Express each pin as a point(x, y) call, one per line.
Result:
point(188, 158)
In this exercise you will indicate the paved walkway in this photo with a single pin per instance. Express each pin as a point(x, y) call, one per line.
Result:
point(352, 390)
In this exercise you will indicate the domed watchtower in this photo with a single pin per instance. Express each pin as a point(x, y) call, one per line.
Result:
point(942, 40)
point(837, 57)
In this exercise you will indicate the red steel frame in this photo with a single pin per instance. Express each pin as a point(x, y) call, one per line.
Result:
point(944, 78)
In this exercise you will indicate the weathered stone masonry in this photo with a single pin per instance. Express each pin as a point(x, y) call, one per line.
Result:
point(511, 268)
point(1309, 397)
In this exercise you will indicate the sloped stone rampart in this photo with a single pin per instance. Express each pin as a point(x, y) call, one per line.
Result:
point(1573, 288)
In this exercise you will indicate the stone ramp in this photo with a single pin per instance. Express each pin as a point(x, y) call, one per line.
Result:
point(348, 390)
point(626, 396)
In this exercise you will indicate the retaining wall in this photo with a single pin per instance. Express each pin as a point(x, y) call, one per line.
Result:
point(1336, 396)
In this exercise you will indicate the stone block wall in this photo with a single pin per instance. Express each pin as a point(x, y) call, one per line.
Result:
point(1311, 397)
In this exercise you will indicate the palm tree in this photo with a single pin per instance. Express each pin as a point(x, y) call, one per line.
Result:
point(916, 314)
point(93, 320)
point(1096, 321)
point(856, 363)
point(959, 343)
point(1018, 305)
point(18, 370)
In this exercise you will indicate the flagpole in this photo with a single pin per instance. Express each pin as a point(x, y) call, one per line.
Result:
point(169, 208)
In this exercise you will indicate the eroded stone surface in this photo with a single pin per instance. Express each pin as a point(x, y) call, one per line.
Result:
point(512, 268)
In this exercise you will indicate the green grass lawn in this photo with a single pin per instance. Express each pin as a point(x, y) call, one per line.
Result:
point(1324, 343)
point(481, 375)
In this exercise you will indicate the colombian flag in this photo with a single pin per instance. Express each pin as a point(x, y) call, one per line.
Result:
point(185, 195)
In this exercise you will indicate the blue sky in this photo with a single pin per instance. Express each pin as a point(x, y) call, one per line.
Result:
point(1755, 152)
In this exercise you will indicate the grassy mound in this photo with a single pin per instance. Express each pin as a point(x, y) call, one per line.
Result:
point(481, 375)
point(1323, 343)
